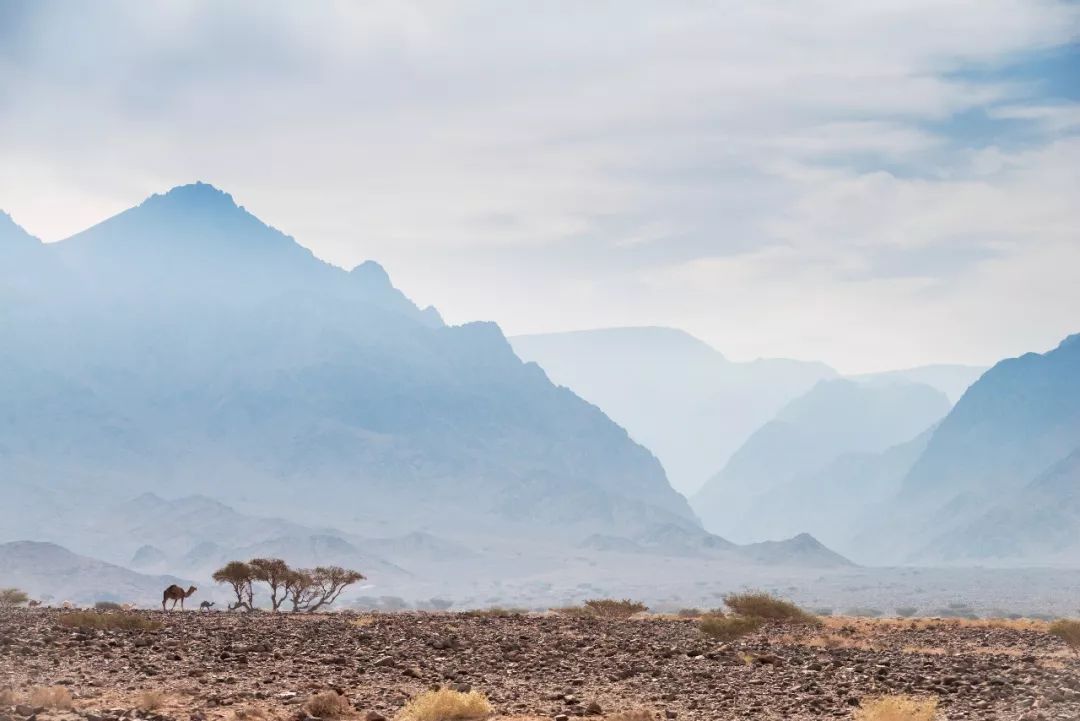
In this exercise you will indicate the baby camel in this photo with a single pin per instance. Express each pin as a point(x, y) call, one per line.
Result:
point(174, 593)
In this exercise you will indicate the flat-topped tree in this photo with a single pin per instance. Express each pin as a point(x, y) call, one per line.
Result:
point(240, 577)
point(311, 589)
point(274, 572)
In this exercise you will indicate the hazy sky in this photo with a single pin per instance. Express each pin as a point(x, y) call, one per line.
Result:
point(873, 184)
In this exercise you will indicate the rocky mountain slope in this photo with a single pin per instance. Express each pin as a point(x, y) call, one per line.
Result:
point(184, 346)
point(678, 396)
point(786, 456)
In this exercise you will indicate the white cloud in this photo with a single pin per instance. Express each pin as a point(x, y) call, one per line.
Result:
point(565, 165)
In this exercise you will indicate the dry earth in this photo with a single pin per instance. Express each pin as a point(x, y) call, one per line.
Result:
point(244, 667)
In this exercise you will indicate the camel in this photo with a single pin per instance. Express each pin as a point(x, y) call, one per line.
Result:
point(174, 593)
point(206, 605)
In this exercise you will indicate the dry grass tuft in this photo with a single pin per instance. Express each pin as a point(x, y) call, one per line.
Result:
point(496, 612)
point(728, 628)
point(636, 715)
point(1068, 631)
point(150, 700)
point(610, 608)
point(757, 604)
point(328, 704)
point(7, 698)
point(50, 697)
point(897, 708)
point(446, 705)
point(111, 621)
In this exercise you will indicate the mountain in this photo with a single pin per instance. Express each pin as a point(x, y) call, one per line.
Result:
point(1040, 522)
point(835, 418)
point(675, 394)
point(195, 350)
point(952, 380)
point(52, 573)
point(1004, 451)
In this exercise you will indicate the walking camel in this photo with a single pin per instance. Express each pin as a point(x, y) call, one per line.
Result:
point(174, 593)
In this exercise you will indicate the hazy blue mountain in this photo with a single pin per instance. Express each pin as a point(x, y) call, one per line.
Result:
point(835, 418)
point(193, 349)
point(952, 380)
point(997, 447)
point(1039, 523)
point(832, 500)
point(678, 396)
point(54, 574)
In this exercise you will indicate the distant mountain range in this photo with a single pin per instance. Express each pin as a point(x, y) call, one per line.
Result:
point(686, 401)
point(788, 470)
point(185, 346)
point(678, 396)
point(50, 573)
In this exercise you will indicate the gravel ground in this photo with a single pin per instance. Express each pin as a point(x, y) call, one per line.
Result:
point(238, 666)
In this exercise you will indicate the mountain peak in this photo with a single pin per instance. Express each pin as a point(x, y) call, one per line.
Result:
point(197, 195)
point(9, 229)
point(372, 273)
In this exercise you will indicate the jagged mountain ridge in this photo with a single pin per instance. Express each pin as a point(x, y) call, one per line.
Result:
point(196, 348)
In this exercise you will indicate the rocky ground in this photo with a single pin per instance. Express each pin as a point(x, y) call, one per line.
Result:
point(235, 666)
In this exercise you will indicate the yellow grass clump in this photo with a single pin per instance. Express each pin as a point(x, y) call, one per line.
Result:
point(150, 700)
point(897, 708)
point(757, 604)
point(7, 697)
point(328, 704)
point(728, 628)
point(446, 705)
point(1068, 631)
point(50, 697)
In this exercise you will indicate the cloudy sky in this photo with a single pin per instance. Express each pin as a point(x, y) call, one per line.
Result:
point(873, 184)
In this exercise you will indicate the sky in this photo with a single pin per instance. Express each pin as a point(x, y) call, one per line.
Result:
point(873, 184)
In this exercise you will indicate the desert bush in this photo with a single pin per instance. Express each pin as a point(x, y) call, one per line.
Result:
point(906, 611)
point(150, 700)
point(328, 704)
point(761, 605)
point(728, 628)
point(689, 613)
point(823, 611)
point(108, 606)
point(110, 621)
point(897, 708)
point(1068, 631)
point(611, 608)
point(7, 698)
point(12, 597)
point(446, 705)
point(50, 697)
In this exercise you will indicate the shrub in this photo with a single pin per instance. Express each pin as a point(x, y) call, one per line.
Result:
point(108, 606)
point(328, 704)
point(7, 698)
point(110, 621)
point(446, 705)
point(150, 700)
point(689, 613)
point(728, 628)
point(760, 605)
point(897, 708)
point(610, 608)
point(496, 612)
point(906, 611)
point(50, 697)
point(1068, 631)
point(12, 597)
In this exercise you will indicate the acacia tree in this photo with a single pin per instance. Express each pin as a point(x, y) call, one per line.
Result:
point(240, 576)
point(275, 573)
point(311, 589)
point(12, 597)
